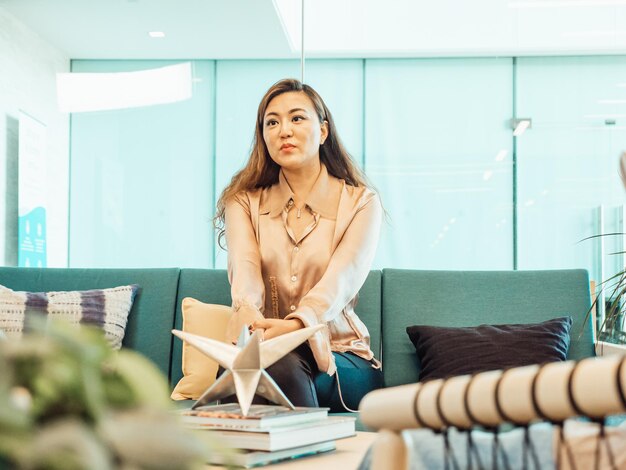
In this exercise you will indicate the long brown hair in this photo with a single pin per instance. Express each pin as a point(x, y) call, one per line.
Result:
point(261, 171)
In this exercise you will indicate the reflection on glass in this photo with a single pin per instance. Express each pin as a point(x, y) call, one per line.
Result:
point(141, 179)
point(438, 149)
point(240, 86)
point(434, 136)
point(568, 162)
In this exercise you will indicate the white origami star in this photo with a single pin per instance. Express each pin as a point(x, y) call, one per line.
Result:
point(245, 365)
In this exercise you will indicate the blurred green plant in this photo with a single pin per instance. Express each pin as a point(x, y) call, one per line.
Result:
point(67, 401)
point(612, 290)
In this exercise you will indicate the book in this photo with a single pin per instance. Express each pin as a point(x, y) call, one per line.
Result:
point(259, 417)
point(257, 458)
point(282, 437)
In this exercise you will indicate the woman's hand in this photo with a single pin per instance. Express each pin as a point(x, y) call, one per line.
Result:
point(244, 315)
point(274, 327)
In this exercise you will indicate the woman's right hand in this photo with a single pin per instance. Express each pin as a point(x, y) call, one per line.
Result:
point(245, 315)
point(273, 327)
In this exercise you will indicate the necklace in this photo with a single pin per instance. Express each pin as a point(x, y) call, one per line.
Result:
point(292, 204)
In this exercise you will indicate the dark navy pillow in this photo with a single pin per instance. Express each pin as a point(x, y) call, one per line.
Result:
point(446, 351)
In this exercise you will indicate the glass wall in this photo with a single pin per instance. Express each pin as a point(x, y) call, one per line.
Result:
point(434, 136)
point(145, 180)
point(239, 92)
point(141, 179)
point(438, 150)
point(568, 183)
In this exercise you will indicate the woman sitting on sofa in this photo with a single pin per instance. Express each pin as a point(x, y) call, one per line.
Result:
point(301, 228)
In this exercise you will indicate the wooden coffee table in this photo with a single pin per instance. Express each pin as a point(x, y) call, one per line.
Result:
point(349, 453)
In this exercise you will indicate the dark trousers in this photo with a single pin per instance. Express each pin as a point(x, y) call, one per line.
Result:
point(300, 380)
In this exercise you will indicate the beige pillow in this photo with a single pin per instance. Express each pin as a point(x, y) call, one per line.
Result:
point(199, 371)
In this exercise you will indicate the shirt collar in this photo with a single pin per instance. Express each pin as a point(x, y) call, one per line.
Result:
point(323, 198)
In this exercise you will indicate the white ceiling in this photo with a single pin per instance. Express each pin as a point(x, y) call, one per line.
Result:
point(235, 29)
point(118, 29)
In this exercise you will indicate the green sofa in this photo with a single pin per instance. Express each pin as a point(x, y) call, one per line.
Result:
point(390, 300)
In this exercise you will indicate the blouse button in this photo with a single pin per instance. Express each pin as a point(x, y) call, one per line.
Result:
point(295, 248)
point(292, 308)
point(294, 278)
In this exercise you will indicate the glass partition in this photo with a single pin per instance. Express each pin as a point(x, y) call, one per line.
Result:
point(434, 136)
point(240, 86)
point(438, 148)
point(568, 183)
point(141, 178)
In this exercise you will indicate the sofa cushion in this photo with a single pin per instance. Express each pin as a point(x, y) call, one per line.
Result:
point(368, 308)
point(199, 370)
point(205, 285)
point(107, 309)
point(150, 320)
point(449, 351)
point(470, 298)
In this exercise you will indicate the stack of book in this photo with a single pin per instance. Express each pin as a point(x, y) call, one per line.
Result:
point(267, 434)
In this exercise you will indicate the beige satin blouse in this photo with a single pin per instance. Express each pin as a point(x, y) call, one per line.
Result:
point(314, 276)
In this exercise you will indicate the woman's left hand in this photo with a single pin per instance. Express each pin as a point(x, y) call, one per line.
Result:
point(275, 327)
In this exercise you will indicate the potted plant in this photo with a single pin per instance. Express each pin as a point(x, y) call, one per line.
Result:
point(67, 401)
point(611, 335)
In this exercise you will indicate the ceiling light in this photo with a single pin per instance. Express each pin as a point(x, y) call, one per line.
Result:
point(156, 34)
point(487, 175)
point(82, 92)
point(611, 101)
point(529, 203)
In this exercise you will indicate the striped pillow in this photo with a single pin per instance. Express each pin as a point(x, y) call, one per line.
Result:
point(105, 308)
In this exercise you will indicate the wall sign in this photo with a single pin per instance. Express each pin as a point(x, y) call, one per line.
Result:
point(32, 190)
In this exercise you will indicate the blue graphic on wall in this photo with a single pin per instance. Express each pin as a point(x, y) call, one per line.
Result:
point(32, 239)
